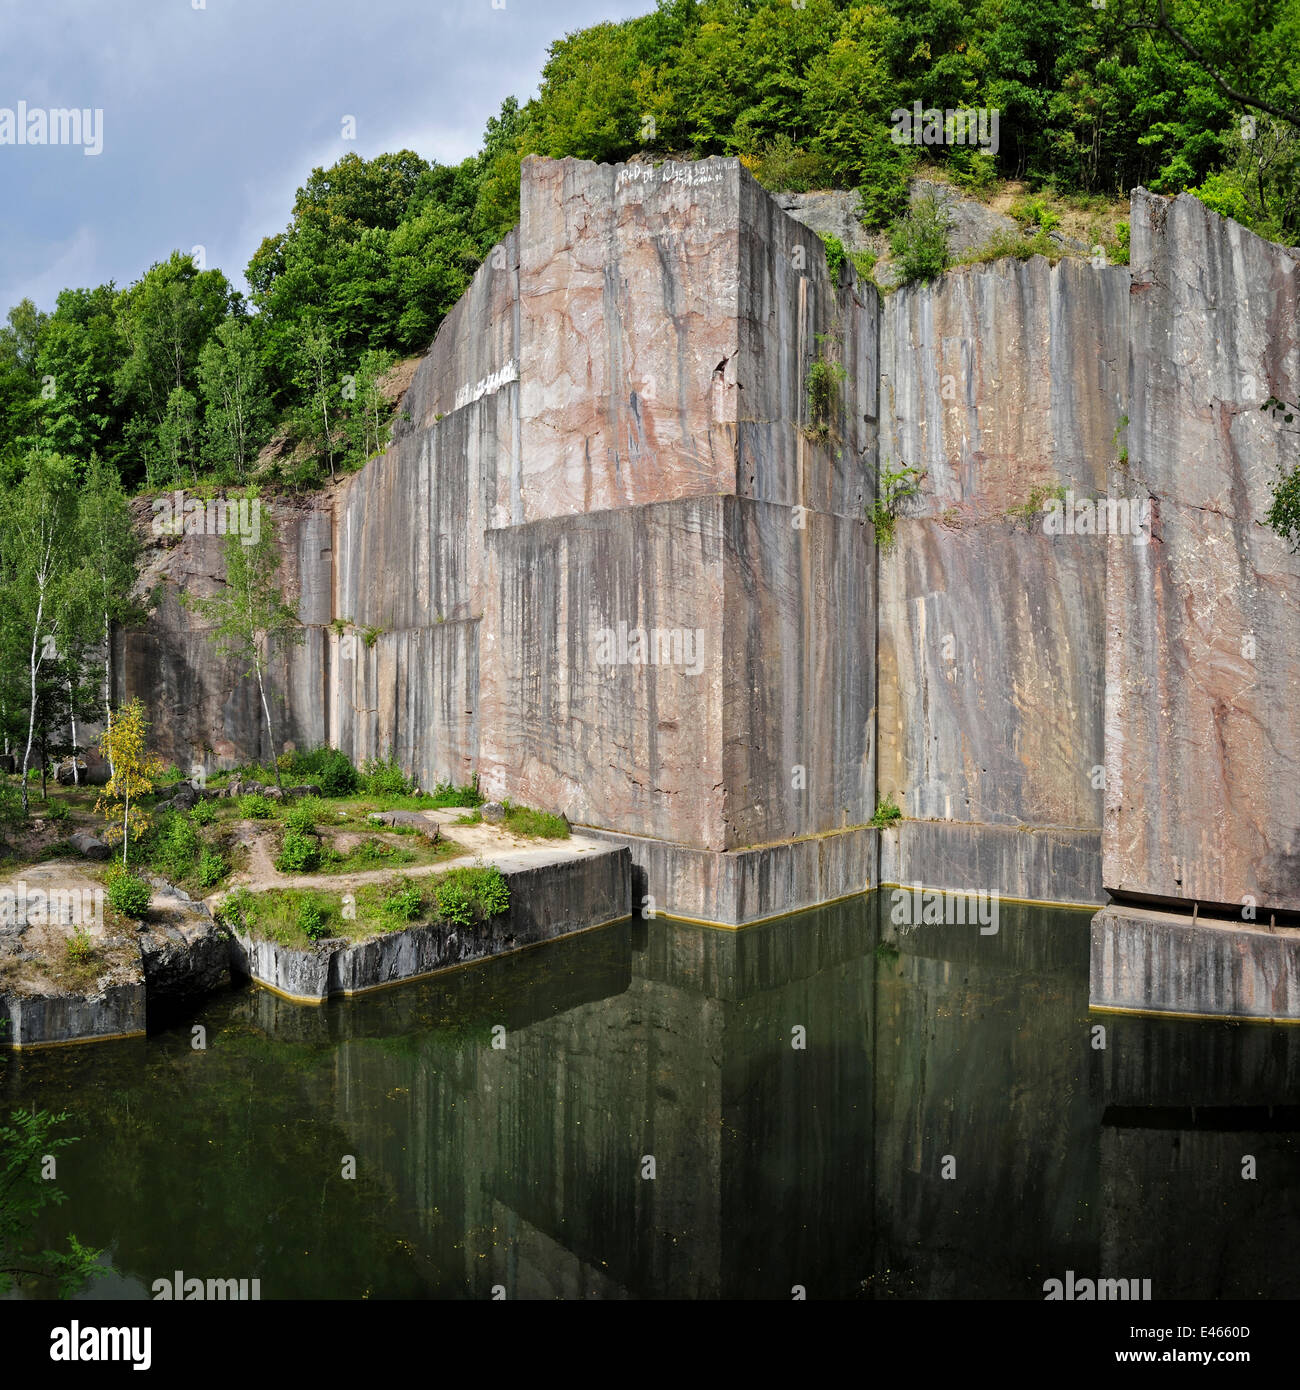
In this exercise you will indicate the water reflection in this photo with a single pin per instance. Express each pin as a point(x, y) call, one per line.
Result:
point(801, 1088)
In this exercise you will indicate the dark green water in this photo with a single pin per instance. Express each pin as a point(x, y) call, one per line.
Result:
point(522, 1166)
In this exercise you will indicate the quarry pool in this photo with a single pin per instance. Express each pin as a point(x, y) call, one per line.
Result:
point(656, 1109)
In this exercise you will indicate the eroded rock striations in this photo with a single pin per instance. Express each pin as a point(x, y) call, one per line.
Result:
point(618, 561)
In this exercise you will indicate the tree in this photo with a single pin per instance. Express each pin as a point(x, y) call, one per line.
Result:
point(38, 533)
point(27, 1143)
point(135, 771)
point(251, 613)
point(319, 356)
point(111, 550)
point(237, 403)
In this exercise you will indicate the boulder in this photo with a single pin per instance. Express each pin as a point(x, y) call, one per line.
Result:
point(93, 773)
point(493, 812)
point(185, 797)
point(91, 846)
point(307, 790)
point(425, 826)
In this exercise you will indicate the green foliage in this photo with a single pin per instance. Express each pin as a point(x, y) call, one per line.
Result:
point(312, 921)
point(1120, 253)
point(1039, 495)
point(919, 241)
point(1007, 243)
point(402, 904)
point(255, 806)
point(58, 812)
point(383, 777)
point(1284, 513)
point(1034, 212)
point(212, 868)
point(822, 384)
point(176, 847)
point(299, 853)
point(893, 487)
point(127, 894)
point(835, 254)
point(886, 813)
point(203, 813)
point(472, 894)
point(80, 947)
point(327, 768)
point(782, 168)
point(445, 795)
point(303, 814)
point(542, 825)
point(25, 1143)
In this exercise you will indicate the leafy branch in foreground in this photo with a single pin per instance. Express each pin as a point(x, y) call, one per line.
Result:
point(27, 1151)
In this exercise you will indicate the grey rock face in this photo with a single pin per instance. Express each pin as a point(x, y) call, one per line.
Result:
point(493, 812)
point(1202, 662)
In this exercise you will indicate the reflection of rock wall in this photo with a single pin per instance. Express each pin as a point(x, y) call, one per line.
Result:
point(536, 1148)
point(962, 1020)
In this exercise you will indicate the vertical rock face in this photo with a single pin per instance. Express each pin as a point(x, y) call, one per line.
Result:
point(617, 560)
point(1003, 384)
point(628, 296)
point(1202, 657)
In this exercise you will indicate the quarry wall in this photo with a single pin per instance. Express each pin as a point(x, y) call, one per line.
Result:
point(617, 561)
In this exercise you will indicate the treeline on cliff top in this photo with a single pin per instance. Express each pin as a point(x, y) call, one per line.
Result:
point(179, 379)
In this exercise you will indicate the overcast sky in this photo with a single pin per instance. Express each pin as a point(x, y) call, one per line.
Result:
point(213, 116)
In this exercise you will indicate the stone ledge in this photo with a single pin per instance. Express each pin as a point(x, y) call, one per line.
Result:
point(734, 888)
point(1032, 863)
point(546, 901)
point(1144, 960)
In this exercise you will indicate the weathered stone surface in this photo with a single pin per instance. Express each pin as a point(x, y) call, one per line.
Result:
point(1164, 962)
point(829, 212)
point(415, 819)
point(628, 335)
point(995, 382)
point(1202, 662)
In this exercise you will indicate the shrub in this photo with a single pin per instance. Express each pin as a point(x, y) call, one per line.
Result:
point(1034, 212)
point(523, 820)
point(175, 847)
point(212, 868)
point(895, 485)
point(471, 894)
point(403, 903)
point(204, 813)
point(886, 813)
point(335, 775)
point(919, 241)
point(303, 814)
point(80, 947)
point(782, 167)
point(835, 253)
point(128, 895)
point(237, 909)
point(973, 170)
point(58, 812)
point(168, 777)
point(444, 795)
point(256, 807)
point(1120, 254)
point(298, 853)
point(312, 921)
point(1008, 243)
point(383, 777)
